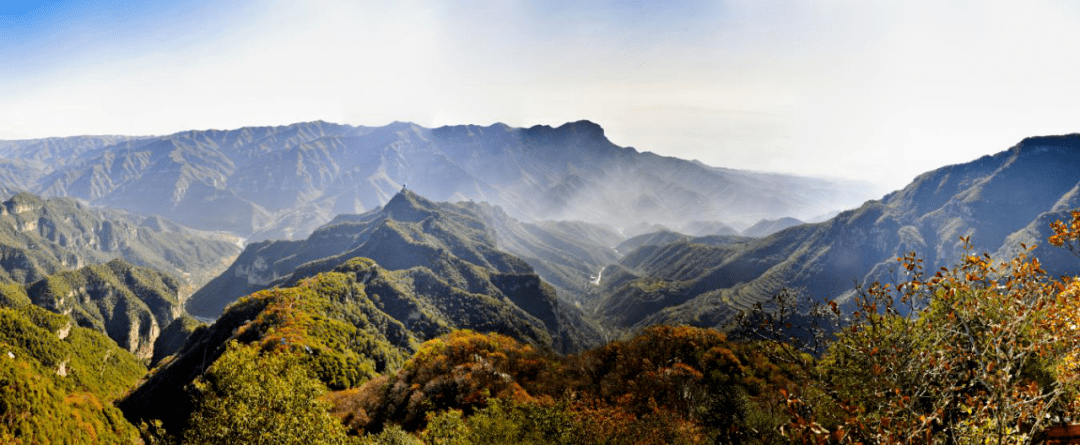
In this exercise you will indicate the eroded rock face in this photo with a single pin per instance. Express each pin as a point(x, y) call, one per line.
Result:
point(173, 337)
point(129, 304)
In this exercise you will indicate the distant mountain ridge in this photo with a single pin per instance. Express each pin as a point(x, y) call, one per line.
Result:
point(282, 182)
point(999, 201)
point(768, 227)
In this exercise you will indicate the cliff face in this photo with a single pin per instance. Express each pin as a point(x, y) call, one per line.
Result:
point(129, 304)
point(172, 338)
point(120, 274)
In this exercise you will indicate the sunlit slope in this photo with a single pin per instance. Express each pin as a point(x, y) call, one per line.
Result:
point(355, 320)
point(449, 242)
point(58, 380)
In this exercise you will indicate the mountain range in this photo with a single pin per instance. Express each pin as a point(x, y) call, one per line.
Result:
point(626, 237)
point(447, 247)
point(282, 182)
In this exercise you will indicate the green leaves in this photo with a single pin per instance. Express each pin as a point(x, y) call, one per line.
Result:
point(57, 381)
point(253, 398)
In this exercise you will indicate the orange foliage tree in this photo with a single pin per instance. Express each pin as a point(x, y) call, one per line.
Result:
point(983, 352)
point(458, 371)
point(1066, 234)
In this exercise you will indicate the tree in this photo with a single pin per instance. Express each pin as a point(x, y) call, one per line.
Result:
point(1067, 234)
point(982, 352)
point(252, 398)
point(460, 370)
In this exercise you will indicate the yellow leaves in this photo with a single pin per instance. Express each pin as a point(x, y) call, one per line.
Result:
point(1066, 233)
point(984, 322)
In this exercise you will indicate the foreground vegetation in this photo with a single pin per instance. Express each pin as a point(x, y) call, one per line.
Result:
point(58, 381)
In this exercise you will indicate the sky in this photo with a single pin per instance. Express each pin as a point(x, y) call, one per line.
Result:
point(879, 91)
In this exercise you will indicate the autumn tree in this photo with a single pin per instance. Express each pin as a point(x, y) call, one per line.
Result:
point(982, 352)
point(1067, 234)
point(460, 370)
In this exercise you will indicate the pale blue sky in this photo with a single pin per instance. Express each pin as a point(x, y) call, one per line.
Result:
point(875, 90)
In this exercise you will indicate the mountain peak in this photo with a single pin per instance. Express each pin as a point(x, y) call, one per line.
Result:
point(1065, 144)
point(584, 126)
point(408, 206)
point(401, 126)
point(1070, 140)
point(23, 202)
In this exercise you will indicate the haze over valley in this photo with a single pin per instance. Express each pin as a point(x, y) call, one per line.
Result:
point(282, 182)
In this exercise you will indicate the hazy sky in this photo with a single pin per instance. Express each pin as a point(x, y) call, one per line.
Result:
point(877, 90)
